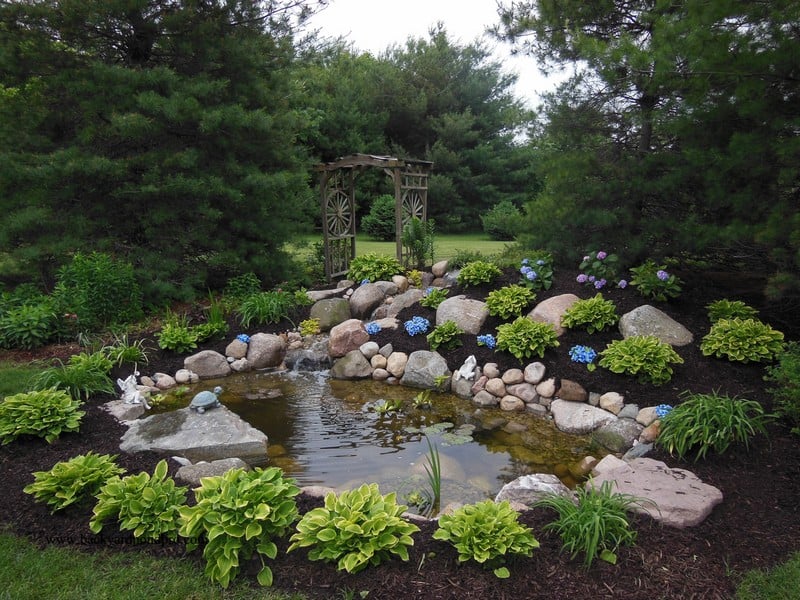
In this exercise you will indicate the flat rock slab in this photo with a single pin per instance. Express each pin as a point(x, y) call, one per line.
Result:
point(578, 418)
point(677, 496)
point(216, 434)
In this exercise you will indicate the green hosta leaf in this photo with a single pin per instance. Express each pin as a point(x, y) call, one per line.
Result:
point(265, 576)
point(608, 557)
point(502, 573)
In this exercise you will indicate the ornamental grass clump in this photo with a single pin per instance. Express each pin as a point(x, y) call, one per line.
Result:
point(643, 356)
point(592, 314)
point(486, 532)
point(71, 481)
point(525, 338)
point(239, 514)
point(355, 529)
point(266, 307)
point(446, 336)
point(41, 413)
point(509, 301)
point(742, 340)
point(143, 504)
point(597, 525)
point(712, 421)
point(478, 272)
point(82, 375)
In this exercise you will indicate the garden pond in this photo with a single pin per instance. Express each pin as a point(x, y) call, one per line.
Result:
point(341, 434)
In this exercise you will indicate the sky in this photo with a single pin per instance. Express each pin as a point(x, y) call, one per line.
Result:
point(374, 25)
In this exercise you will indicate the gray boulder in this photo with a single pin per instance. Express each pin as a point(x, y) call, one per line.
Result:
point(207, 364)
point(468, 314)
point(266, 350)
point(648, 320)
point(191, 474)
point(365, 299)
point(423, 369)
point(330, 312)
point(352, 365)
point(577, 417)
point(529, 489)
point(619, 435)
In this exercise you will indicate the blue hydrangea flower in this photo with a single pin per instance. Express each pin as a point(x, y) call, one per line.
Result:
point(372, 328)
point(525, 261)
point(540, 262)
point(622, 284)
point(417, 325)
point(662, 275)
point(427, 291)
point(243, 337)
point(582, 354)
point(525, 270)
point(531, 275)
point(487, 340)
point(662, 410)
point(365, 281)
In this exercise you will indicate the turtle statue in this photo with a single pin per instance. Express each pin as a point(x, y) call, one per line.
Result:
point(205, 400)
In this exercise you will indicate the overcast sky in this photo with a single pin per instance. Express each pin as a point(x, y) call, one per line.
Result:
point(374, 25)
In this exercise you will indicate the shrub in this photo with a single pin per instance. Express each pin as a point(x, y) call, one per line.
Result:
point(643, 356)
point(240, 287)
point(502, 221)
point(785, 376)
point(433, 297)
point(486, 532)
point(730, 309)
point(593, 314)
point(239, 513)
point(509, 301)
point(147, 506)
point(653, 281)
point(42, 413)
point(83, 375)
point(176, 335)
point(417, 240)
point(28, 326)
point(478, 272)
point(71, 481)
point(464, 257)
point(598, 268)
point(373, 267)
point(537, 273)
point(597, 525)
point(742, 340)
point(524, 338)
point(266, 307)
point(356, 529)
point(445, 336)
point(100, 290)
point(379, 223)
point(706, 422)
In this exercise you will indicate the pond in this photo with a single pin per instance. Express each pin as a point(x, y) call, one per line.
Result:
point(340, 434)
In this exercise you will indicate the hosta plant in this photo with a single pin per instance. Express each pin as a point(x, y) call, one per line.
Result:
point(43, 413)
point(525, 338)
point(71, 481)
point(433, 297)
point(176, 335)
point(355, 529)
point(596, 525)
point(143, 504)
point(509, 301)
point(374, 267)
point(712, 421)
point(239, 514)
point(486, 532)
point(742, 340)
point(593, 314)
point(642, 356)
point(447, 336)
point(730, 309)
point(478, 272)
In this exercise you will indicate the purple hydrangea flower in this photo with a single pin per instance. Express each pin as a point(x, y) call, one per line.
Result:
point(601, 255)
point(591, 279)
point(622, 284)
point(582, 278)
point(662, 275)
point(600, 284)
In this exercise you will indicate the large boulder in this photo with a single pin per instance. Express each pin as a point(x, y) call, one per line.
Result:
point(404, 300)
point(423, 370)
point(577, 417)
point(265, 350)
point(468, 314)
point(365, 299)
point(207, 364)
point(346, 336)
point(352, 365)
point(529, 489)
point(552, 309)
point(648, 320)
point(330, 312)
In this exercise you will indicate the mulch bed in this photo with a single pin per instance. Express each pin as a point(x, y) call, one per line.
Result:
point(756, 526)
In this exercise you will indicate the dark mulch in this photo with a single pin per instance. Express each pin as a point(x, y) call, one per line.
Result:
point(756, 526)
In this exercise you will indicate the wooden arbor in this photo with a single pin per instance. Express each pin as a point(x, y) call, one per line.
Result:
point(337, 201)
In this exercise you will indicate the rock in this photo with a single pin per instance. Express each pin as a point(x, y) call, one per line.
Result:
point(513, 376)
point(461, 387)
point(365, 299)
point(401, 282)
point(496, 387)
point(317, 491)
point(378, 361)
point(511, 403)
point(423, 369)
point(629, 411)
point(346, 336)
point(379, 374)
point(369, 349)
point(266, 350)
point(491, 371)
point(330, 312)
point(240, 366)
point(480, 384)
point(184, 376)
point(529, 489)
point(165, 382)
point(396, 363)
point(677, 496)
point(191, 474)
point(404, 300)
point(618, 435)
point(484, 398)
point(637, 451)
point(440, 268)
point(577, 417)
point(468, 314)
point(207, 364)
point(236, 349)
point(352, 365)
point(389, 288)
point(647, 415)
point(524, 391)
point(612, 402)
point(214, 435)
point(534, 372)
point(648, 320)
point(546, 388)
point(650, 433)
point(583, 467)
point(572, 391)
point(552, 309)
point(124, 411)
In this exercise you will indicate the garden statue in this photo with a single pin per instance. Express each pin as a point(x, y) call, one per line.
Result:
point(467, 370)
point(205, 400)
point(130, 391)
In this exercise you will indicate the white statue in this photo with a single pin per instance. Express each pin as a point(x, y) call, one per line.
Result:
point(467, 370)
point(130, 390)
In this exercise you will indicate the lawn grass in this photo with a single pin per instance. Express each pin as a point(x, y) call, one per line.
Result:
point(14, 378)
point(28, 572)
point(779, 583)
